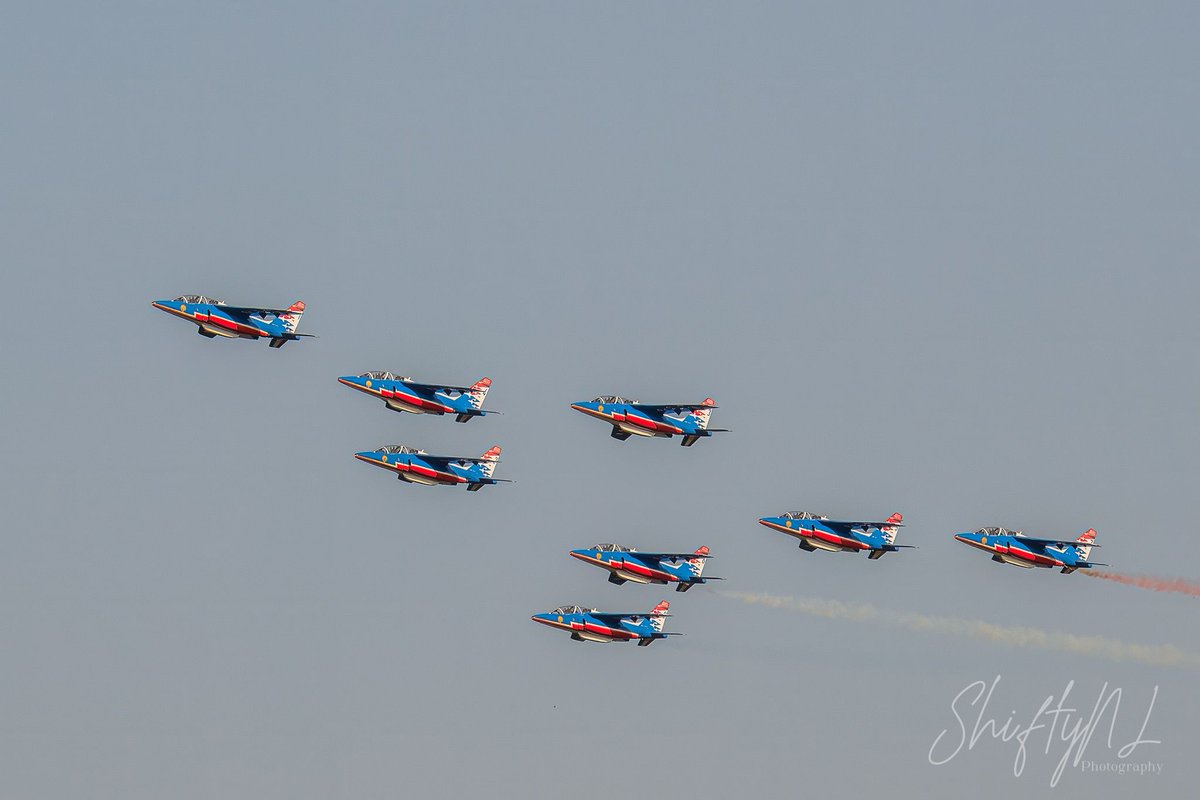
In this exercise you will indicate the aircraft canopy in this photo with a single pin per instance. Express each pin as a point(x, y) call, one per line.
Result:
point(400, 448)
point(613, 398)
point(612, 548)
point(571, 610)
point(198, 298)
point(998, 532)
point(803, 515)
point(383, 375)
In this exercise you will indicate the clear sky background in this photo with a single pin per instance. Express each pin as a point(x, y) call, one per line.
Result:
point(936, 258)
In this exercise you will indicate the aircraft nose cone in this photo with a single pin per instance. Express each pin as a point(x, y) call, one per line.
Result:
point(578, 407)
point(962, 537)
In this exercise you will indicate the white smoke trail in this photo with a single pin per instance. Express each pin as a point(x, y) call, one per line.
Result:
point(1015, 636)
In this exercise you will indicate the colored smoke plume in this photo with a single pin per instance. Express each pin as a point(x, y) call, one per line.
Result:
point(1014, 636)
point(1178, 585)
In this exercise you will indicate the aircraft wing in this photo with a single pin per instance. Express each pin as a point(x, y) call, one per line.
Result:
point(249, 310)
point(612, 615)
point(849, 524)
point(668, 406)
point(437, 387)
point(668, 556)
point(1044, 542)
point(444, 460)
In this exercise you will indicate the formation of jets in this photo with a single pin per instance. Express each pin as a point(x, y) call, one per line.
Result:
point(689, 421)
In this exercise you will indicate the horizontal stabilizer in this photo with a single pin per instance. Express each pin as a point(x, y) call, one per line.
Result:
point(470, 413)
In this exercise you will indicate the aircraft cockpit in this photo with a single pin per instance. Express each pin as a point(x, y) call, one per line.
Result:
point(997, 532)
point(612, 548)
point(383, 375)
point(614, 398)
point(571, 610)
point(198, 299)
point(401, 449)
point(803, 515)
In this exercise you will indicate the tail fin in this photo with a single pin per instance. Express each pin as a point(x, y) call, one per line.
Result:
point(656, 618)
point(704, 412)
point(696, 565)
point(1084, 543)
point(478, 391)
point(489, 460)
point(889, 530)
point(291, 317)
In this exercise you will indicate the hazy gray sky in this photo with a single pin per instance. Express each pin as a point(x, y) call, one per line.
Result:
point(935, 258)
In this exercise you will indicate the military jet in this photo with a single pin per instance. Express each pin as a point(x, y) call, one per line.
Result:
point(590, 625)
point(631, 418)
point(816, 532)
point(685, 570)
point(417, 466)
point(214, 318)
point(400, 393)
point(1019, 550)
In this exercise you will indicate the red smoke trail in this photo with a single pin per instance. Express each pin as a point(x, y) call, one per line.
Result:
point(1178, 585)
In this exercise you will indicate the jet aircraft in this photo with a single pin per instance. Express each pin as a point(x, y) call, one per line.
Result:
point(631, 418)
point(590, 625)
point(417, 466)
point(626, 564)
point(215, 318)
point(401, 393)
point(1014, 547)
point(816, 532)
